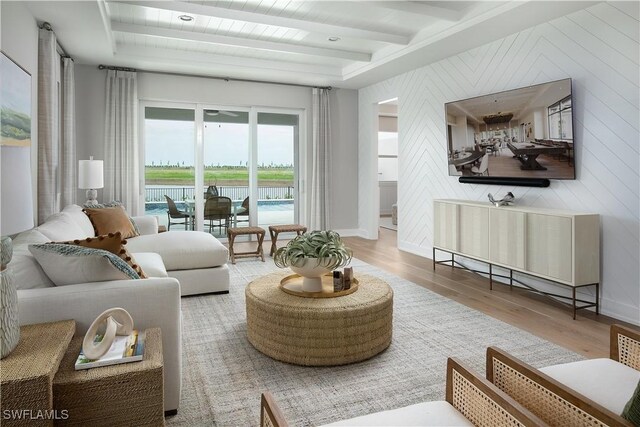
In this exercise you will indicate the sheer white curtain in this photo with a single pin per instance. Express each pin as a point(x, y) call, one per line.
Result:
point(48, 138)
point(121, 169)
point(321, 153)
point(68, 183)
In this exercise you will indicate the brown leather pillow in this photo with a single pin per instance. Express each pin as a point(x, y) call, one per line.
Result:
point(113, 243)
point(111, 220)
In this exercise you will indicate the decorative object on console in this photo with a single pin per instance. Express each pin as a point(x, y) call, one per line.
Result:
point(505, 201)
point(118, 322)
point(313, 255)
point(90, 178)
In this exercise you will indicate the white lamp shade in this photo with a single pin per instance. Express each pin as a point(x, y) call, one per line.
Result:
point(16, 210)
point(90, 174)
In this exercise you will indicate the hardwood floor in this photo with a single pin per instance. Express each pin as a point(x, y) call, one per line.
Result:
point(587, 335)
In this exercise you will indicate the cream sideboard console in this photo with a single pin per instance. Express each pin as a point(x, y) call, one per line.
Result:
point(560, 246)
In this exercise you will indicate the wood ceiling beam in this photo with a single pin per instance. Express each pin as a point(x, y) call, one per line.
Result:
point(419, 8)
point(209, 61)
point(240, 42)
point(278, 21)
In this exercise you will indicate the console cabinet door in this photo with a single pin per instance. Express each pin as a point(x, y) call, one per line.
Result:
point(507, 238)
point(445, 224)
point(549, 247)
point(474, 231)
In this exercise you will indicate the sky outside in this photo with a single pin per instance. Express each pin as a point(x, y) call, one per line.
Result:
point(225, 144)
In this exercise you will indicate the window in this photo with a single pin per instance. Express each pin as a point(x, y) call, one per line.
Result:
point(560, 126)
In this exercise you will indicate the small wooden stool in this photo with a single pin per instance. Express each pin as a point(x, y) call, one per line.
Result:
point(274, 230)
point(241, 231)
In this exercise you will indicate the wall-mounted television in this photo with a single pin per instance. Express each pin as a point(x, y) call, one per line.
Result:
point(519, 133)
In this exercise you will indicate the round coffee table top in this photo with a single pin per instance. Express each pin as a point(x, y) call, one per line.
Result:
point(319, 331)
point(371, 292)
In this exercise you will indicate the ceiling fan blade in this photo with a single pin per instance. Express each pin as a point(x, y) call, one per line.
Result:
point(228, 113)
point(211, 112)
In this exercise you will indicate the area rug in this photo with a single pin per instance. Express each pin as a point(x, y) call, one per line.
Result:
point(223, 375)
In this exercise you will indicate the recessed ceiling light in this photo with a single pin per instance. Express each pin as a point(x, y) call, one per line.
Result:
point(185, 18)
point(333, 39)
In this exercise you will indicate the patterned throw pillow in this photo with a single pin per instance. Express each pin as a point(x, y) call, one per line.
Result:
point(69, 264)
point(113, 243)
point(111, 220)
point(632, 408)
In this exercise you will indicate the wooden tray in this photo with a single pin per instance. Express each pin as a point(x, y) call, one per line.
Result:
point(292, 285)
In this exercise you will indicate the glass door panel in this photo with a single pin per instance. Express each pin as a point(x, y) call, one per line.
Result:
point(226, 170)
point(169, 166)
point(277, 140)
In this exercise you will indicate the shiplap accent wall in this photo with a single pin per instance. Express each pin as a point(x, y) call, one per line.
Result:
point(598, 48)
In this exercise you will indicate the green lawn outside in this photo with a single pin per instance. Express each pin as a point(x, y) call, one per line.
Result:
point(219, 176)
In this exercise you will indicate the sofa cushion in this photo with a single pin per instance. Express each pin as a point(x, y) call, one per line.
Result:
point(438, 413)
point(81, 219)
point(69, 264)
point(111, 220)
point(182, 250)
point(61, 226)
point(113, 243)
point(151, 263)
point(605, 381)
point(27, 273)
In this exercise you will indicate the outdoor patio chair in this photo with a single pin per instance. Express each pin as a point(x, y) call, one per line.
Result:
point(217, 208)
point(212, 191)
point(243, 211)
point(175, 213)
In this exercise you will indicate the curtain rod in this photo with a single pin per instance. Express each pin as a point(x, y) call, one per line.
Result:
point(226, 79)
point(61, 50)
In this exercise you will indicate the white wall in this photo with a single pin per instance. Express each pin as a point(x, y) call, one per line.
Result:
point(19, 40)
point(90, 101)
point(598, 48)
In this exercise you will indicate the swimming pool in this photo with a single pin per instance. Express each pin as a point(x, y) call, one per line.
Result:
point(277, 205)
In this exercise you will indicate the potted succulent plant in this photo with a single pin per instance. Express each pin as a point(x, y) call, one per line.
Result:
point(311, 255)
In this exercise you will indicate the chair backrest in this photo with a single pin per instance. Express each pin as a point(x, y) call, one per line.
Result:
point(552, 401)
point(217, 207)
point(173, 209)
point(484, 163)
point(625, 346)
point(212, 190)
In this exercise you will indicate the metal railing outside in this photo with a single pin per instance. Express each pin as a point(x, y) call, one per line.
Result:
point(177, 193)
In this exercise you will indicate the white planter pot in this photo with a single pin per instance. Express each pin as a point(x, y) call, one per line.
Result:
point(311, 273)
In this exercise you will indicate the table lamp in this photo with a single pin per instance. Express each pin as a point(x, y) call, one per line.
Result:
point(16, 215)
point(90, 178)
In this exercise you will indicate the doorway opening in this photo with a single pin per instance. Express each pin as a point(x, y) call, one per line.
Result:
point(388, 164)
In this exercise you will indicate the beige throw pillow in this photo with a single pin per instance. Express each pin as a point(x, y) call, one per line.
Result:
point(111, 220)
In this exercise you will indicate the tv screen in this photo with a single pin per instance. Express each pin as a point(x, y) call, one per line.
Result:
point(519, 133)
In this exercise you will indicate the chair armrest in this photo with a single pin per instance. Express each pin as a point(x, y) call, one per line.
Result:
point(481, 402)
point(625, 346)
point(147, 224)
point(270, 414)
point(552, 401)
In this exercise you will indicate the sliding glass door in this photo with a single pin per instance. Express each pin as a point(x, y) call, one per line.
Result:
point(169, 164)
point(213, 167)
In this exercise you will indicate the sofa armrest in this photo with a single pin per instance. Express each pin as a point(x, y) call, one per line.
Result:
point(147, 224)
point(552, 401)
point(625, 346)
point(153, 302)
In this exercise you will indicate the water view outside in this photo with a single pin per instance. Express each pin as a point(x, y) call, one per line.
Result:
point(170, 170)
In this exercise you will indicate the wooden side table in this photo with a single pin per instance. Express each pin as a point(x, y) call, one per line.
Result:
point(274, 230)
point(27, 372)
point(129, 394)
point(241, 231)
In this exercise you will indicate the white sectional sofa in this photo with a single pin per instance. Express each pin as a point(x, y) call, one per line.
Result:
point(178, 263)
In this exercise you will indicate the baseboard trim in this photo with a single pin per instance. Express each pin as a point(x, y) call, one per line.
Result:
point(415, 249)
point(350, 232)
point(620, 311)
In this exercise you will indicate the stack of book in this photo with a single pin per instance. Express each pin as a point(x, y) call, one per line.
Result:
point(124, 349)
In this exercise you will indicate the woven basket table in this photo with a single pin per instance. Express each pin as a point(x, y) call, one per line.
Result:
point(319, 331)
point(27, 372)
point(129, 394)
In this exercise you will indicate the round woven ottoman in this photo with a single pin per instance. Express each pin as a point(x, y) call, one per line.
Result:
point(319, 331)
